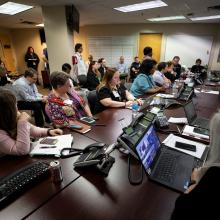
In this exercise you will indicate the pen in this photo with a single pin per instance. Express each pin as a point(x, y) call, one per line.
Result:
point(100, 125)
point(121, 119)
point(44, 147)
point(178, 129)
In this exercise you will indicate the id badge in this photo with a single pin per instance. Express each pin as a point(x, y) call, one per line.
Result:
point(115, 93)
point(68, 102)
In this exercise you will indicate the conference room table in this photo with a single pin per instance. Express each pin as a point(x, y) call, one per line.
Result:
point(44, 190)
point(86, 193)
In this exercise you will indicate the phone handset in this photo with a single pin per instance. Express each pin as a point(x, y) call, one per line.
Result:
point(94, 146)
point(137, 119)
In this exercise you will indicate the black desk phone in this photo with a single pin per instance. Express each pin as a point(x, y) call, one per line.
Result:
point(96, 154)
point(162, 121)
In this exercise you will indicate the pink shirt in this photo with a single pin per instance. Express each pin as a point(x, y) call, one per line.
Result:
point(20, 146)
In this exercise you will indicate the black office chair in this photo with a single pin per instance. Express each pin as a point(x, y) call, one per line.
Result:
point(92, 99)
point(82, 81)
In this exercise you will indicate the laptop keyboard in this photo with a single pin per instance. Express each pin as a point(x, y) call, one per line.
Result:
point(166, 168)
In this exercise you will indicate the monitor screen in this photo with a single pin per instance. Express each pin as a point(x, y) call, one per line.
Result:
point(148, 147)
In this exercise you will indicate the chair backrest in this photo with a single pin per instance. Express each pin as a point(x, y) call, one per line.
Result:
point(82, 80)
point(92, 99)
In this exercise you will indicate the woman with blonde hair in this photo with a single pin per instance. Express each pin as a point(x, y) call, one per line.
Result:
point(111, 93)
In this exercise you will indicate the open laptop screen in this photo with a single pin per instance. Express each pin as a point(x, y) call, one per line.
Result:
point(190, 111)
point(148, 147)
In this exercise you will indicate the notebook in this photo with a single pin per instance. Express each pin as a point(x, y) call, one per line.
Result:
point(62, 141)
point(162, 164)
point(192, 118)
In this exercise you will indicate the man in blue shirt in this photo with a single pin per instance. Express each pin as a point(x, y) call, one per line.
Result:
point(144, 83)
point(28, 97)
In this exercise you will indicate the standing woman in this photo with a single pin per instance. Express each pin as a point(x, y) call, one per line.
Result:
point(15, 130)
point(93, 75)
point(31, 58)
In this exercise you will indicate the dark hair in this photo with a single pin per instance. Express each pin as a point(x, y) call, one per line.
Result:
point(198, 60)
point(58, 79)
point(146, 66)
point(91, 65)
point(148, 51)
point(66, 66)
point(100, 60)
point(77, 46)
point(136, 57)
point(29, 48)
point(169, 63)
point(176, 57)
point(161, 66)
point(30, 72)
point(8, 112)
point(107, 78)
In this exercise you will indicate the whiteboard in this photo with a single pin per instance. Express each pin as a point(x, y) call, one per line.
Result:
point(112, 47)
point(188, 48)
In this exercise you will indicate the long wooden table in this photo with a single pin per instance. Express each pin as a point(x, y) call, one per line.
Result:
point(85, 194)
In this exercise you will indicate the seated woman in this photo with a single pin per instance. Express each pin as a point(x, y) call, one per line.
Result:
point(64, 104)
point(197, 203)
point(93, 76)
point(170, 74)
point(144, 83)
point(159, 77)
point(15, 130)
point(111, 93)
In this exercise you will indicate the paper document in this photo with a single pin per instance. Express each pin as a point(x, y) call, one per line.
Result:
point(171, 140)
point(63, 141)
point(166, 96)
point(178, 120)
point(210, 92)
point(188, 130)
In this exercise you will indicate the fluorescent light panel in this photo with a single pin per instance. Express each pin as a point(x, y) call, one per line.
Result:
point(141, 6)
point(205, 18)
point(167, 18)
point(12, 8)
point(40, 25)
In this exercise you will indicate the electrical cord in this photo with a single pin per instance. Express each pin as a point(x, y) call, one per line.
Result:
point(138, 180)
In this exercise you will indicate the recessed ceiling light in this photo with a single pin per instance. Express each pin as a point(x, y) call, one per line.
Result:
point(12, 8)
point(40, 25)
point(167, 18)
point(205, 18)
point(141, 6)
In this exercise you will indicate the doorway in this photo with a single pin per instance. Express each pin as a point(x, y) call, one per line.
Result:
point(151, 40)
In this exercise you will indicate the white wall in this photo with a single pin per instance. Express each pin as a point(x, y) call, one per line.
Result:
point(166, 29)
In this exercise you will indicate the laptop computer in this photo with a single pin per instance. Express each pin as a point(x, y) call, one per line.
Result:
point(162, 164)
point(192, 117)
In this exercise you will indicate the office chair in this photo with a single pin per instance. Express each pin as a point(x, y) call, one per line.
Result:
point(82, 81)
point(92, 99)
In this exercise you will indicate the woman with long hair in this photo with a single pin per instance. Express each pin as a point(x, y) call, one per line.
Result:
point(31, 58)
point(15, 130)
point(93, 75)
point(111, 93)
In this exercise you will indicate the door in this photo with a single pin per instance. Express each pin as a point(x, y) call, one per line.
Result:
point(151, 40)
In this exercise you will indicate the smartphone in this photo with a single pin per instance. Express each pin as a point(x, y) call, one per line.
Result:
point(201, 131)
point(185, 146)
point(87, 120)
point(74, 126)
point(49, 141)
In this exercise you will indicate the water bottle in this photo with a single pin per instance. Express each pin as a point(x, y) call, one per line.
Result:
point(174, 90)
point(135, 108)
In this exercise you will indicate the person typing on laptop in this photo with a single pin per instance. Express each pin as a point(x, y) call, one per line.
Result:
point(205, 181)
